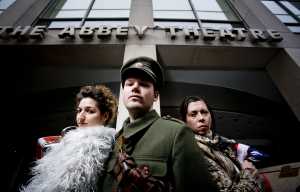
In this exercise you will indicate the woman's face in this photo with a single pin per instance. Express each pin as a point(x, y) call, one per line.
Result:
point(88, 114)
point(198, 117)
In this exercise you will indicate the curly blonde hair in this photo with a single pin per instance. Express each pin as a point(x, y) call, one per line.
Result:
point(106, 101)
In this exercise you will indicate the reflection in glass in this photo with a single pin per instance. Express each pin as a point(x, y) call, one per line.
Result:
point(109, 14)
point(214, 10)
point(76, 4)
point(171, 5)
point(173, 14)
point(68, 9)
point(274, 7)
point(212, 15)
point(4, 4)
point(206, 5)
point(106, 23)
point(84, 10)
point(111, 4)
point(286, 19)
point(217, 25)
point(70, 14)
point(176, 24)
point(292, 7)
point(63, 24)
point(288, 12)
point(295, 29)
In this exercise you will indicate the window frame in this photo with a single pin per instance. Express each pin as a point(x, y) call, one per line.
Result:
point(239, 23)
point(288, 13)
point(53, 4)
point(2, 10)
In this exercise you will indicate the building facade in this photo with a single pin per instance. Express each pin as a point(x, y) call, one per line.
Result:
point(242, 56)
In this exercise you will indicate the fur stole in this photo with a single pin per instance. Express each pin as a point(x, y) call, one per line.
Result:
point(75, 163)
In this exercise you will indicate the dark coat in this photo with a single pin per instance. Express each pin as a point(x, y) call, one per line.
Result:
point(168, 148)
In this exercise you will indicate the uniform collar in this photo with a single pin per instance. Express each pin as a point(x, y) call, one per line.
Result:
point(131, 128)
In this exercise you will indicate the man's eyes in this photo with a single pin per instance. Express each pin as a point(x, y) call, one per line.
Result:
point(145, 84)
point(142, 84)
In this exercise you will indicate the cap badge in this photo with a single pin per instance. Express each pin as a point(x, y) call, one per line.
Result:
point(138, 65)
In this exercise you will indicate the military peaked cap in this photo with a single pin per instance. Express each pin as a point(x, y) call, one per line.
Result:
point(143, 66)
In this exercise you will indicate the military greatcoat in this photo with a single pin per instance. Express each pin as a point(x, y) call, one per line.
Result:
point(168, 148)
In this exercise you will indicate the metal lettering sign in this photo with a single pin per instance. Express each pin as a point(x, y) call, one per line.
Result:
point(24, 33)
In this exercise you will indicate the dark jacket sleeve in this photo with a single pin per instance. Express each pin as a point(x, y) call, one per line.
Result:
point(189, 166)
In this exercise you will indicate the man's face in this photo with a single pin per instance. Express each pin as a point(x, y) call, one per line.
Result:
point(138, 95)
point(198, 117)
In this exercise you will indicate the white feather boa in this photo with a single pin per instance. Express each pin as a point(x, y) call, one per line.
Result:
point(74, 164)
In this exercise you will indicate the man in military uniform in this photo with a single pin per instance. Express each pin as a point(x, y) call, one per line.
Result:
point(153, 153)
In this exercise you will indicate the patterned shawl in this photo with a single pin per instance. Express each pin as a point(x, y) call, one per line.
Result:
point(218, 149)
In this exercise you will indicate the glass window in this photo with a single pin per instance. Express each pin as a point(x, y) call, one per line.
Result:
point(106, 23)
point(4, 4)
point(109, 14)
point(207, 5)
point(70, 14)
point(214, 10)
point(295, 29)
point(217, 25)
point(286, 19)
point(62, 13)
point(177, 24)
point(207, 11)
point(288, 12)
point(62, 24)
point(171, 5)
point(211, 15)
point(76, 4)
point(172, 9)
point(111, 4)
point(274, 7)
point(174, 14)
point(294, 7)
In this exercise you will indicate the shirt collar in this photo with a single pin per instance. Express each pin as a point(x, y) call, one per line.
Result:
point(131, 128)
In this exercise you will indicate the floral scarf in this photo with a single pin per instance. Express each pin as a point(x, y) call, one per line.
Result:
point(218, 149)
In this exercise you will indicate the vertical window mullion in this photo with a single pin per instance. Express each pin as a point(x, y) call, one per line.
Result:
point(51, 4)
point(87, 13)
point(232, 8)
point(195, 13)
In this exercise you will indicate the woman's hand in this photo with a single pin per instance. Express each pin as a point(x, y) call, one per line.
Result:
point(249, 166)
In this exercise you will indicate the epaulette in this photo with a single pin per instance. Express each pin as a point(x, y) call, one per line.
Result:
point(169, 117)
point(119, 133)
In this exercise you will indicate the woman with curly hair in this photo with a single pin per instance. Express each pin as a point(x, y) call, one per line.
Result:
point(76, 162)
